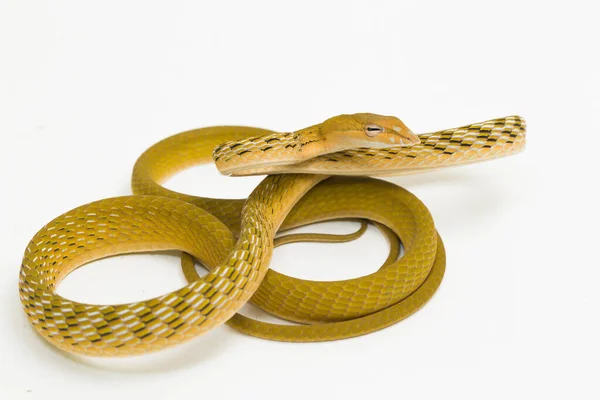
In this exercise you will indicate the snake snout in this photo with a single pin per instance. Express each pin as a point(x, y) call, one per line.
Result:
point(407, 137)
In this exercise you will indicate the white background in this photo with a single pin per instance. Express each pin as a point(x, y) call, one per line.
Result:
point(86, 87)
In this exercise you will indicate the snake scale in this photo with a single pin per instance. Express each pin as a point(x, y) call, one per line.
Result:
point(234, 239)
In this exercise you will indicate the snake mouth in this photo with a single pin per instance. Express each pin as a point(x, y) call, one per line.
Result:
point(407, 138)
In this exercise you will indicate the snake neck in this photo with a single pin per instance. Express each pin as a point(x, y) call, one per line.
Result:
point(270, 151)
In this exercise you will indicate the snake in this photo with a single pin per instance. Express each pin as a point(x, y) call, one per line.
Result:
point(320, 173)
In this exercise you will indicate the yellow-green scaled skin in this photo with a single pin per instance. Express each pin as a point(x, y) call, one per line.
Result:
point(234, 239)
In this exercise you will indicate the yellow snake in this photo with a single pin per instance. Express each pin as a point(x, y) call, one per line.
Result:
point(234, 239)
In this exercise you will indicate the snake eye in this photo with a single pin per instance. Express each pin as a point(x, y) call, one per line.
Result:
point(372, 130)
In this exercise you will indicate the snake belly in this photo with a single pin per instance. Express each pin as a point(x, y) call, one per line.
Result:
point(234, 239)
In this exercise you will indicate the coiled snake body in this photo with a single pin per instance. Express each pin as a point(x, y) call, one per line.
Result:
point(234, 239)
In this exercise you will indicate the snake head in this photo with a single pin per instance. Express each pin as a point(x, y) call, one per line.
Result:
point(367, 130)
